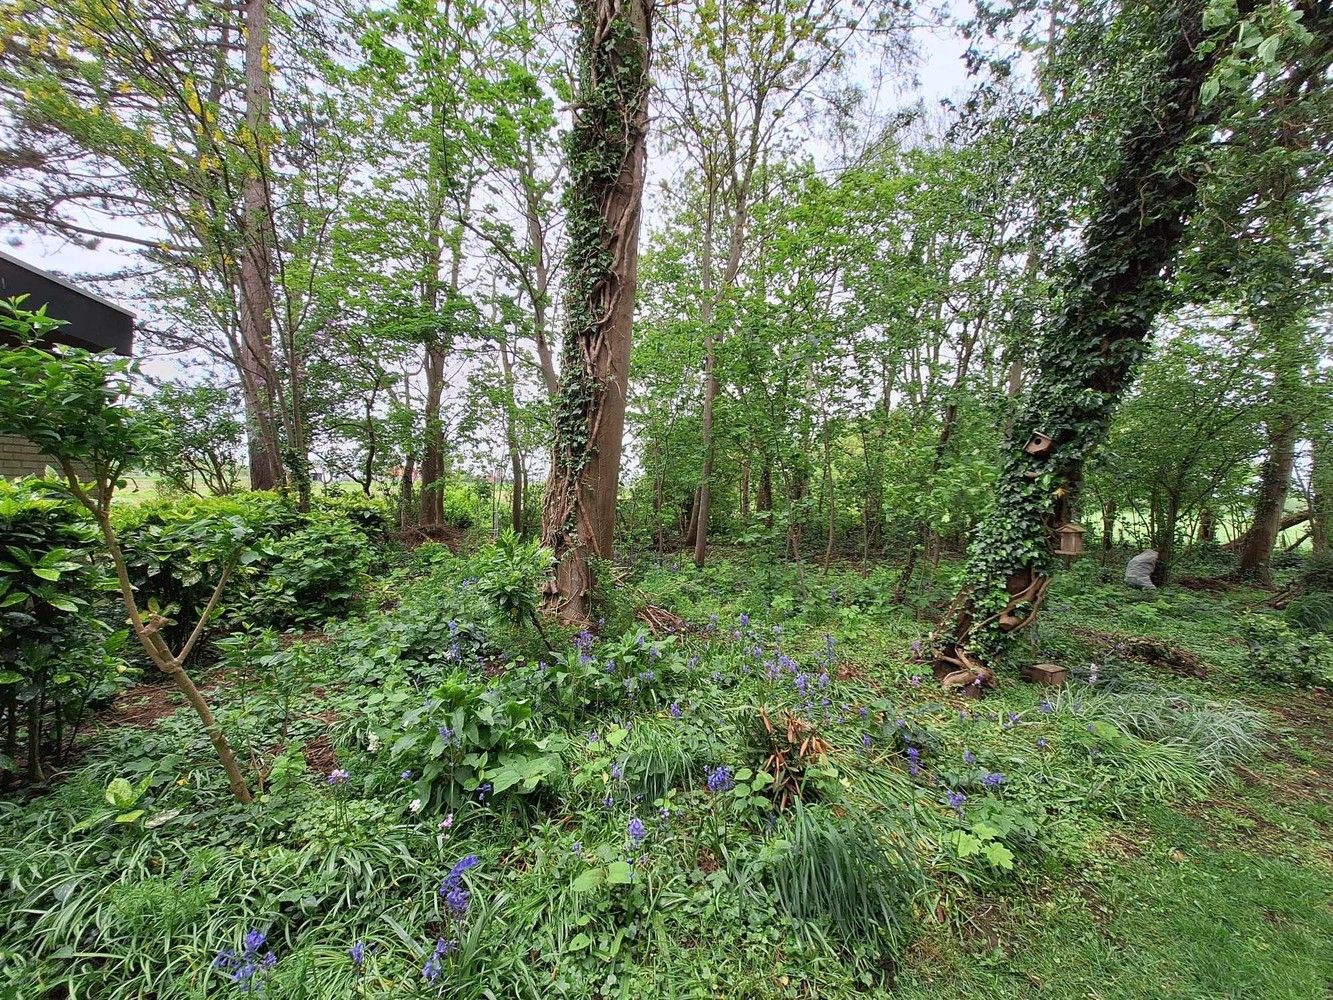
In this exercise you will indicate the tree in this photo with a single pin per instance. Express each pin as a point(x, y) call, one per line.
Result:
point(71, 406)
point(607, 155)
point(1091, 349)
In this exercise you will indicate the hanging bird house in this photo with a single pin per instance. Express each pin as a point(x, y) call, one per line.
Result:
point(1039, 443)
point(1069, 539)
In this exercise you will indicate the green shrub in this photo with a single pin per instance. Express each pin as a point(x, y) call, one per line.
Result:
point(1289, 655)
point(313, 573)
point(56, 657)
point(174, 549)
point(464, 505)
point(373, 516)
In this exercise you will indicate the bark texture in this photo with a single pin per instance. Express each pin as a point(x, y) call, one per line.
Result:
point(607, 152)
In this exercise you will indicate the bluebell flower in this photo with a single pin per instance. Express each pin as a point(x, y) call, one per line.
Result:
point(913, 761)
point(431, 970)
point(969, 757)
point(720, 779)
point(608, 801)
point(457, 900)
point(866, 741)
point(1043, 743)
point(637, 831)
point(993, 780)
point(617, 772)
point(358, 953)
point(576, 848)
point(1047, 707)
point(744, 620)
point(675, 710)
point(339, 776)
point(406, 775)
point(254, 940)
point(956, 800)
point(443, 946)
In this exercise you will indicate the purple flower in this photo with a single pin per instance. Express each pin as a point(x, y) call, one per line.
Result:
point(446, 734)
point(339, 776)
point(824, 680)
point(608, 801)
point(802, 682)
point(431, 970)
point(916, 647)
point(914, 680)
point(992, 780)
point(617, 772)
point(406, 776)
point(866, 741)
point(665, 813)
point(675, 710)
point(443, 946)
point(457, 899)
point(637, 831)
point(254, 940)
point(913, 761)
point(956, 800)
point(576, 849)
point(483, 790)
point(1043, 743)
point(744, 620)
point(720, 779)
point(454, 879)
point(1046, 707)
point(358, 953)
point(969, 757)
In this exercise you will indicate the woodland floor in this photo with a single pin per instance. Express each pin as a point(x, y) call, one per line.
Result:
point(1183, 890)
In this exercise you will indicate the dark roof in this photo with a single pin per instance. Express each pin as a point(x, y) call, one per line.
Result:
point(91, 321)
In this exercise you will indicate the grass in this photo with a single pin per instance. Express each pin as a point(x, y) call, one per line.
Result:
point(1152, 835)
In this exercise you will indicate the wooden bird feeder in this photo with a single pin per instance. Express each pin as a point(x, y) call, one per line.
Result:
point(1039, 443)
point(1069, 539)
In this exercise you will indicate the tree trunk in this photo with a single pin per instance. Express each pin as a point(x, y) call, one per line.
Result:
point(706, 478)
point(1207, 525)
point(260, 381)
point(608, 160)
point(1256, 547)
point(432, 452)
point(1321, 504)
point(1089, 353)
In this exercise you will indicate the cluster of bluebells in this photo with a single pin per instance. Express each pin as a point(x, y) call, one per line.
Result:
point(455, 896)
point(956, 800)
point(583, 643)
point(993, 779)
point(637, 831)
point(431, 970)
point(247, 968)
point(676, 712)
point(339, 776)
point(913, 761)
point(720, 779)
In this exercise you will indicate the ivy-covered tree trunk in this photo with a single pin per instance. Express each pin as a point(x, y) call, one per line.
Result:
point(1087, 355)
point(607, 155)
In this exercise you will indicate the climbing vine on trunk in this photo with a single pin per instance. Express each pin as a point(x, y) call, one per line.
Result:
point(1087, 356)
point(606, 154)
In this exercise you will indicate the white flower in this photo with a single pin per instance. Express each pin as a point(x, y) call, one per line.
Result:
point(447, 822)
point(415, 805)
point(373, 742)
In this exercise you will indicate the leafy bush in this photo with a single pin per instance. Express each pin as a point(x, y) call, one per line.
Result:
point(56, 657)
point(373, 516)
point(1285, 654)
point(464, 505)
point(313, 573)
point(176, 548)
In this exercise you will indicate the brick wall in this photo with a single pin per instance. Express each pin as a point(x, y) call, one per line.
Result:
point(20, 457)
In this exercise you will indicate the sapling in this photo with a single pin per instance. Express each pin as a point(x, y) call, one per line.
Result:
point(70, 405)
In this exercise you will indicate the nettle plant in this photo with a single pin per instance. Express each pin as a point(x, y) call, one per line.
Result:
point(71, 404)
